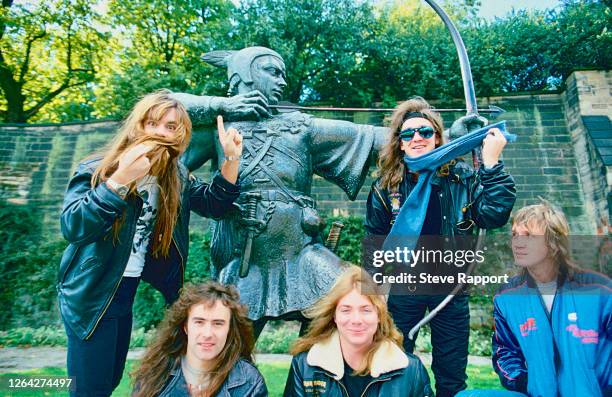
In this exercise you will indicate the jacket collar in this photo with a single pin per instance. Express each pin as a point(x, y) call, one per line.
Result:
point(327, 355)
point(235, 378)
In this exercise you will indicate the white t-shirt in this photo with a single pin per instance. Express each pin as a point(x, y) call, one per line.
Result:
point(149, 192)
point(548, 291)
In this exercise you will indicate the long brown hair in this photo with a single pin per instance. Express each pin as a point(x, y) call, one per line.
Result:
point(164, 354)
point(390, 161)
point(322, 313)
point(164, 159)
point(556, 229)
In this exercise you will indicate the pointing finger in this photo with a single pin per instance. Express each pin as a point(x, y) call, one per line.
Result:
point(221, 128)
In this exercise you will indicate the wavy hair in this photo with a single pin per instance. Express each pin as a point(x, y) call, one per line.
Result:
point(552, 221)
point(170, 343)
point(390, 161)
point(323, 312)
point(164, 160)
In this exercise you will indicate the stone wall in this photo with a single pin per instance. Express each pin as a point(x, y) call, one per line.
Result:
point(548, 160)
point(589, 93)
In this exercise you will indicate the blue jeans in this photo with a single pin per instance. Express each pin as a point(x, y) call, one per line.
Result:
point(97, 363)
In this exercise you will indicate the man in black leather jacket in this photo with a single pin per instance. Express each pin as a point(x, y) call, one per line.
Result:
point(461, 200)
point(126, 218)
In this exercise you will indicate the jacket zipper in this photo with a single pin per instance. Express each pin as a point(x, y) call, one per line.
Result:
point(382, 200)
point(112, 296)
point(344, 388)
point(370, 384)
point(552, 329)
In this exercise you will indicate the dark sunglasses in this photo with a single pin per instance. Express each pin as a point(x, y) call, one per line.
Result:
point(425, 131)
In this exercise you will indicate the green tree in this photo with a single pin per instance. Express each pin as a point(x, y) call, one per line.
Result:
point(162, 44)
point(321, 41)
point(46, 49)
point(413, 53)
point(583, 28)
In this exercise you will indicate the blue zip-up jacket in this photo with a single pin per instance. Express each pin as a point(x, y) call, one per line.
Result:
point(93, 263)
point(566, 353)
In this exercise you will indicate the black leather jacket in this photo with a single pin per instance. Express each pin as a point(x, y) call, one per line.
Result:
point(93, 263)
point(244, 380)
point(486, 198)
point(319, 371)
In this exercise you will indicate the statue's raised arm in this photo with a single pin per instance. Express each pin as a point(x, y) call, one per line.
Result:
point(270, 246)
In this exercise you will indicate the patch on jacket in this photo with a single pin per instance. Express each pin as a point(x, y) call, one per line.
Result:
point(315, 386)
point(395, 199)
point(585, 335)
point(528, 326)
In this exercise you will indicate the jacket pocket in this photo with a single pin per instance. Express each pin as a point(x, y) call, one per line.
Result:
point(90, 263)
point(70, 253)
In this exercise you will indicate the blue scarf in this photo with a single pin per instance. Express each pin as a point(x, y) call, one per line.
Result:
point(409, 222)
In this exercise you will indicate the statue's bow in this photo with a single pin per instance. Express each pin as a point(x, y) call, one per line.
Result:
point(464, 62)
point(471, 107)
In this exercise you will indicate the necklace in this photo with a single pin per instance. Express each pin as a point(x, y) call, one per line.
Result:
point(197, 378)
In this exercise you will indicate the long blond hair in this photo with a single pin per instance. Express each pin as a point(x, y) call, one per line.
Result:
point(164, 160)
point(556, 229)
point(164, 354)
point(390, 161)
point(323, 312)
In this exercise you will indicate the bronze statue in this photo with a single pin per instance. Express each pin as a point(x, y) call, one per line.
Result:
point(270, 247)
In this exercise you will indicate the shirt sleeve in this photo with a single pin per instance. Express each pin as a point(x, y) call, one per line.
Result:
point(494, 197)
point(508, 360)
point(88, 212)
point(342, 152)
point(212, 200)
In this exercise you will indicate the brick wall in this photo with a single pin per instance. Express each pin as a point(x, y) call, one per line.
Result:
point(36, 161)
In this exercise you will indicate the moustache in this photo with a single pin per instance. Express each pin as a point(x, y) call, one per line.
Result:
point(163, 152)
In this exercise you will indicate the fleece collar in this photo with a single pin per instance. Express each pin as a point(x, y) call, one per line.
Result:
point(327, 355)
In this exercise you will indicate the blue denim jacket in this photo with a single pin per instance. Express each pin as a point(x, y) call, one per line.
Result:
point(93, 263)
point(244, 380)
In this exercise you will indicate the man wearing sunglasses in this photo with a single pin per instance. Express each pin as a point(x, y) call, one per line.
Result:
point(459, 200)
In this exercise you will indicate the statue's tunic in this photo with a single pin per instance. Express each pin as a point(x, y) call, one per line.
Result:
point(289, 267)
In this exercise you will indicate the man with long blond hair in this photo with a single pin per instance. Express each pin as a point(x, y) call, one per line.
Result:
point(126, 216)
point(202, 348)
point(352, 346)
point(553, 322)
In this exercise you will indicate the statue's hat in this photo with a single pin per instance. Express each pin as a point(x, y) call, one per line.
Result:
point(238, 62)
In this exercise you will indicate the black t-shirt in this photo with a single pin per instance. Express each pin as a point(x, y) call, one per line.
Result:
point(355, 384)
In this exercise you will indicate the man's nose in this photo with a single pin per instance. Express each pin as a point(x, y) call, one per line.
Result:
point(417, 136)
point(206, 330)
point(282, 83)
point(356, 317)
point(160, 131)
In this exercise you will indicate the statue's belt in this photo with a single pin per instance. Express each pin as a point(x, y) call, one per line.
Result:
point(278, 195)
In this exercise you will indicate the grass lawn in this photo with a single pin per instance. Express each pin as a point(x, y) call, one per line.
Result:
point(479, 377)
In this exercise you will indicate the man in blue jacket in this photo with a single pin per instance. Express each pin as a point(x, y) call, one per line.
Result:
point(553, 323)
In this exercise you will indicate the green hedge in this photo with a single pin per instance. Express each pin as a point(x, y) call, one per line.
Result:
point(29, 260)
point(276, 339)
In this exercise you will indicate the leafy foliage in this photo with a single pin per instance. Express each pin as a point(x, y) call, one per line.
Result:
point(28, 268)
point(321, 41)
point(70, 60)
point(164, 41)
point(46, 49)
